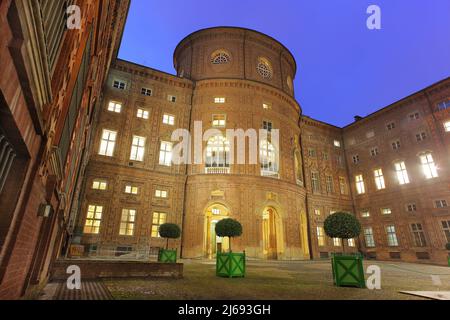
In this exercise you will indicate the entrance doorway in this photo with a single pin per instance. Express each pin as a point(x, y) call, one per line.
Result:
point(270, 234)
point(213, 243)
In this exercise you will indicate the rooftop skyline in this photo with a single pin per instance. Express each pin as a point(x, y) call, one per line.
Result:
point(364, 71)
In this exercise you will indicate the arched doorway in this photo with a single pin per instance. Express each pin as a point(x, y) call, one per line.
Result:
point(270, 229)
point(213, 243)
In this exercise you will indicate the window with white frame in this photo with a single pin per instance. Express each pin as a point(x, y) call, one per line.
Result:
point(369, 238)
point(342, 185)
point(129, 189)
point(138, 148)
point(414, 116)
point(169, 119)
point(329, 184)
point(386, 211)
point(219, 120)
point(127, 222)
point(217, 152)
point(165, 153)
point(365, 214)
point(447, 126)
point(440, 204)
point(390, 126)
point(107, 143)
point(337, 242)
point(267, 125)
point(146, 92)
point(159, 218)
point(93, 219)
point(351, 243)
point(142, 114)
point(421, 136)
point(402, 173)
point(268, 157)
point(115, 107)
point(99, 185)
point(360, 187)
point(391, 236)
point(317, 212)
point(379, 179)
point(374, 152)
point(428, 166)
point(161, 194)
point(418, 235)
point(315, 181)
point(396, 145)
point(320, 236)
point(411, 207)
point(171, 98)
point(355, 159)
point(118, 84)
point(219, 100)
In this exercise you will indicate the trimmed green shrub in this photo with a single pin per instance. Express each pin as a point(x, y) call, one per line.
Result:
point(342, 225)
point(169, 231)
point(229, 228)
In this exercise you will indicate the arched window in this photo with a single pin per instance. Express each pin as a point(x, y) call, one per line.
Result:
point(217, 152)
point(268, 158)
point(220, 57)
point(264, 68)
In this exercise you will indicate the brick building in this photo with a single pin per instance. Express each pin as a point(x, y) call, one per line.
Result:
point(389, 168)
point(51, 84)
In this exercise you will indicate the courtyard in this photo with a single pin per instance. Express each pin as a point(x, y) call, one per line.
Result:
point(289, 280)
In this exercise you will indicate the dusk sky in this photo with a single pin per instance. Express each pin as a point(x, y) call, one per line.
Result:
point(344, 69)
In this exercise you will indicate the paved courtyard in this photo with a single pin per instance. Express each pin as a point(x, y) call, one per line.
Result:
point(309, 280)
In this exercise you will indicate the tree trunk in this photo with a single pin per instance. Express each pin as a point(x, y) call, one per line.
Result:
point(167, 244)
point(343, 247)
point(229, 243)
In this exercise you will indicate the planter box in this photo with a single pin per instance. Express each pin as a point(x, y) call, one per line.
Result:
point(230, 265)
point(348, 270)
point(167, 256)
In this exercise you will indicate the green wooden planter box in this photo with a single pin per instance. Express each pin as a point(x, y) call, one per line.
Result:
point(348, 270)
point(167, 256)
point(230, 265)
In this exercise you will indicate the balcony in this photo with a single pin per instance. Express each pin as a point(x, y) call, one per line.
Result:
point(217, 170)
point(270, 174)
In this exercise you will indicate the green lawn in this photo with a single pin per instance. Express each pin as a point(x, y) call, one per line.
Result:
point(280, 280)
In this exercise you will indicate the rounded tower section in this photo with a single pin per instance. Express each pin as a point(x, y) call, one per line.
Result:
point(243, 95)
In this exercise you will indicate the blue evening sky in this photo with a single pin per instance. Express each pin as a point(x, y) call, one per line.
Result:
point(344, 69)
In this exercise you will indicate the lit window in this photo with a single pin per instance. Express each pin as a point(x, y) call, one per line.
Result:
point(391, 236)
point(93, 219)
point(171, 98)
point(315, 181)
point(127, 222)
point(220, 57)
point(447, 126)
point(108, 143)
point(386, 211)
point(217, 152)
point(365, 214)
point(169, 120)
point(351, 243)
point(444, 105)
point(129, 189)
point(165, 154)
point(402, 173)
point(441, 203)
point(99, 185)
point(268, 157)
point(411, 207)
point(317, 212)
point(414, 116)
point(215, 211)
point(390, 126)
point(428, 166)
point(138, 149)
point(142, 114)
point(119, 84)
point(418, 235)
point(158, 219)
point(374, 152)
point(337, 242)
point(146, 92)
point(337, 143)
point(421, 136)
point(379, 179)
point(368, 237)
point(320, 236)
point(161, 194)
point(342, 185)
point(329, 184)
point(396, 145)
point(360, 187)
point(115, 107)
point(219, 120)
point(267, 106)
point(264, 68)
point(355, 159)
point(219, 100)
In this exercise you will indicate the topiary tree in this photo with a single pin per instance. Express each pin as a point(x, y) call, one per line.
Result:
point(169, 231)
point(342, 225)
point(229, 228)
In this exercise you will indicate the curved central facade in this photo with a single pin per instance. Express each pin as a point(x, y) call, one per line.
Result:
point(243, 80)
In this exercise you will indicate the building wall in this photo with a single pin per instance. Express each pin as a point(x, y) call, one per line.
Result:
point(44, 86)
